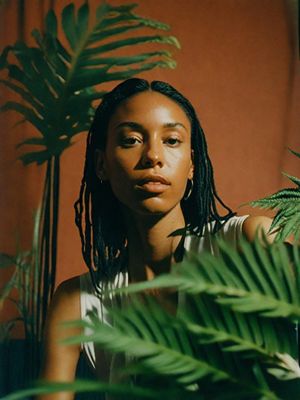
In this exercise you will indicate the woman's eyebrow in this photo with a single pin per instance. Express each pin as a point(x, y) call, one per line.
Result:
point(174, 125)
point(141, 128)
point(132, 125)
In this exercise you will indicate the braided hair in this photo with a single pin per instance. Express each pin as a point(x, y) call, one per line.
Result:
point(97, 210)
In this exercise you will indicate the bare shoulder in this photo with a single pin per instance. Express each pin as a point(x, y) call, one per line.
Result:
point(261, 223)
point(67, 293)
point(60, 359)
point(65, 304)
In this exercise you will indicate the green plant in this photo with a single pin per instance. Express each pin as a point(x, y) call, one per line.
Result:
point(287, 201)
point(233, 336)
point(58, 85)
point(24, 279)
point(18, 277)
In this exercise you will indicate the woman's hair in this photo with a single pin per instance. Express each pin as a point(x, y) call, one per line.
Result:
point(98, 214)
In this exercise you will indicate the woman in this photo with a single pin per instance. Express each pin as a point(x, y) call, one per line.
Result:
point(147, 195)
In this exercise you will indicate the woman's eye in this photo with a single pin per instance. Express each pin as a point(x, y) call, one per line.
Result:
point(131, 141)
point(173, 141)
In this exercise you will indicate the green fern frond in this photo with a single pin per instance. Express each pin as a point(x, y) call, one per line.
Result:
point(294, 152)
point(154, 353)
point(287, 201)
point(293, 179)
point(91, 386)
point(256, 336)
point(200, 351)
point(261, 278)
point(165, 346)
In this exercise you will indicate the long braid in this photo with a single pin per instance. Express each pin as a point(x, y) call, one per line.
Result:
point(82, 215)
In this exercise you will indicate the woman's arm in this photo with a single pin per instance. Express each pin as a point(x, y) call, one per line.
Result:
point(263, 224)
point(60, 360)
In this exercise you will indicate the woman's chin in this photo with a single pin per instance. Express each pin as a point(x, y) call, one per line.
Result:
point(153, 207)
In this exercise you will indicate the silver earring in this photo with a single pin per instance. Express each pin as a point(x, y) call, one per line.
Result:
point(186, 197)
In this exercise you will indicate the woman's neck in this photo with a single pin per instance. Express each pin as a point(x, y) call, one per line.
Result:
point(150, 243)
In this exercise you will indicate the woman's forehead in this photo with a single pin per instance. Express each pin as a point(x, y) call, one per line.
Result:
point(150, 105)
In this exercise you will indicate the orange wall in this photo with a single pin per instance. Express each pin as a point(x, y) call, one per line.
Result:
point(239, 65)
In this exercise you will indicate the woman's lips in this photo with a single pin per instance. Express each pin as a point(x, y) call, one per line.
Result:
point(153, 187)
point(153, 184)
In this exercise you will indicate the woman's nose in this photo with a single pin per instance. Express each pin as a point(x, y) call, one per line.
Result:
point(153, 154)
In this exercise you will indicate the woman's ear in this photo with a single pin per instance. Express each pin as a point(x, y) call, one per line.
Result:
point(100, 165)
point(191, 171)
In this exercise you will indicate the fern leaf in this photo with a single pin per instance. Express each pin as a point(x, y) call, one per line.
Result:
point(90, 386)
point(135, 332)
point(295, 180)
point(274, 295)
point(287, 201)
point(294, 152)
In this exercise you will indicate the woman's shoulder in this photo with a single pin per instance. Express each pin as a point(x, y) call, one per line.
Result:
point(69, 288)
point(230, 230)
point(60, 359)
point(234, 224)
point(66, 299)
point(247, 226)
point(256, 224)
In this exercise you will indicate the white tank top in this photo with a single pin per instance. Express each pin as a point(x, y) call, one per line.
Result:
point(89, 301)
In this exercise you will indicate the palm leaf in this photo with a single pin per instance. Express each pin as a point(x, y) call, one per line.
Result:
point(294, 152)
point(86, 386)
point(260, 278)
point(287, 201)
point(247, 333)
point(207, 342)
point(57, 82)
point(287, 219)
point(164, 346)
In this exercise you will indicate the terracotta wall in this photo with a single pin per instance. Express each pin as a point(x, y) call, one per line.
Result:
point(239, 65)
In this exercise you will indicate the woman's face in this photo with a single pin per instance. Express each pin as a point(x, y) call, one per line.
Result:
point(148, 156)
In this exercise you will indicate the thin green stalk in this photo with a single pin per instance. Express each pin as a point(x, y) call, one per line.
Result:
point(42, 250)
point(54, 224)
point(35, 271)
point(38, 257)
point(45, 240)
